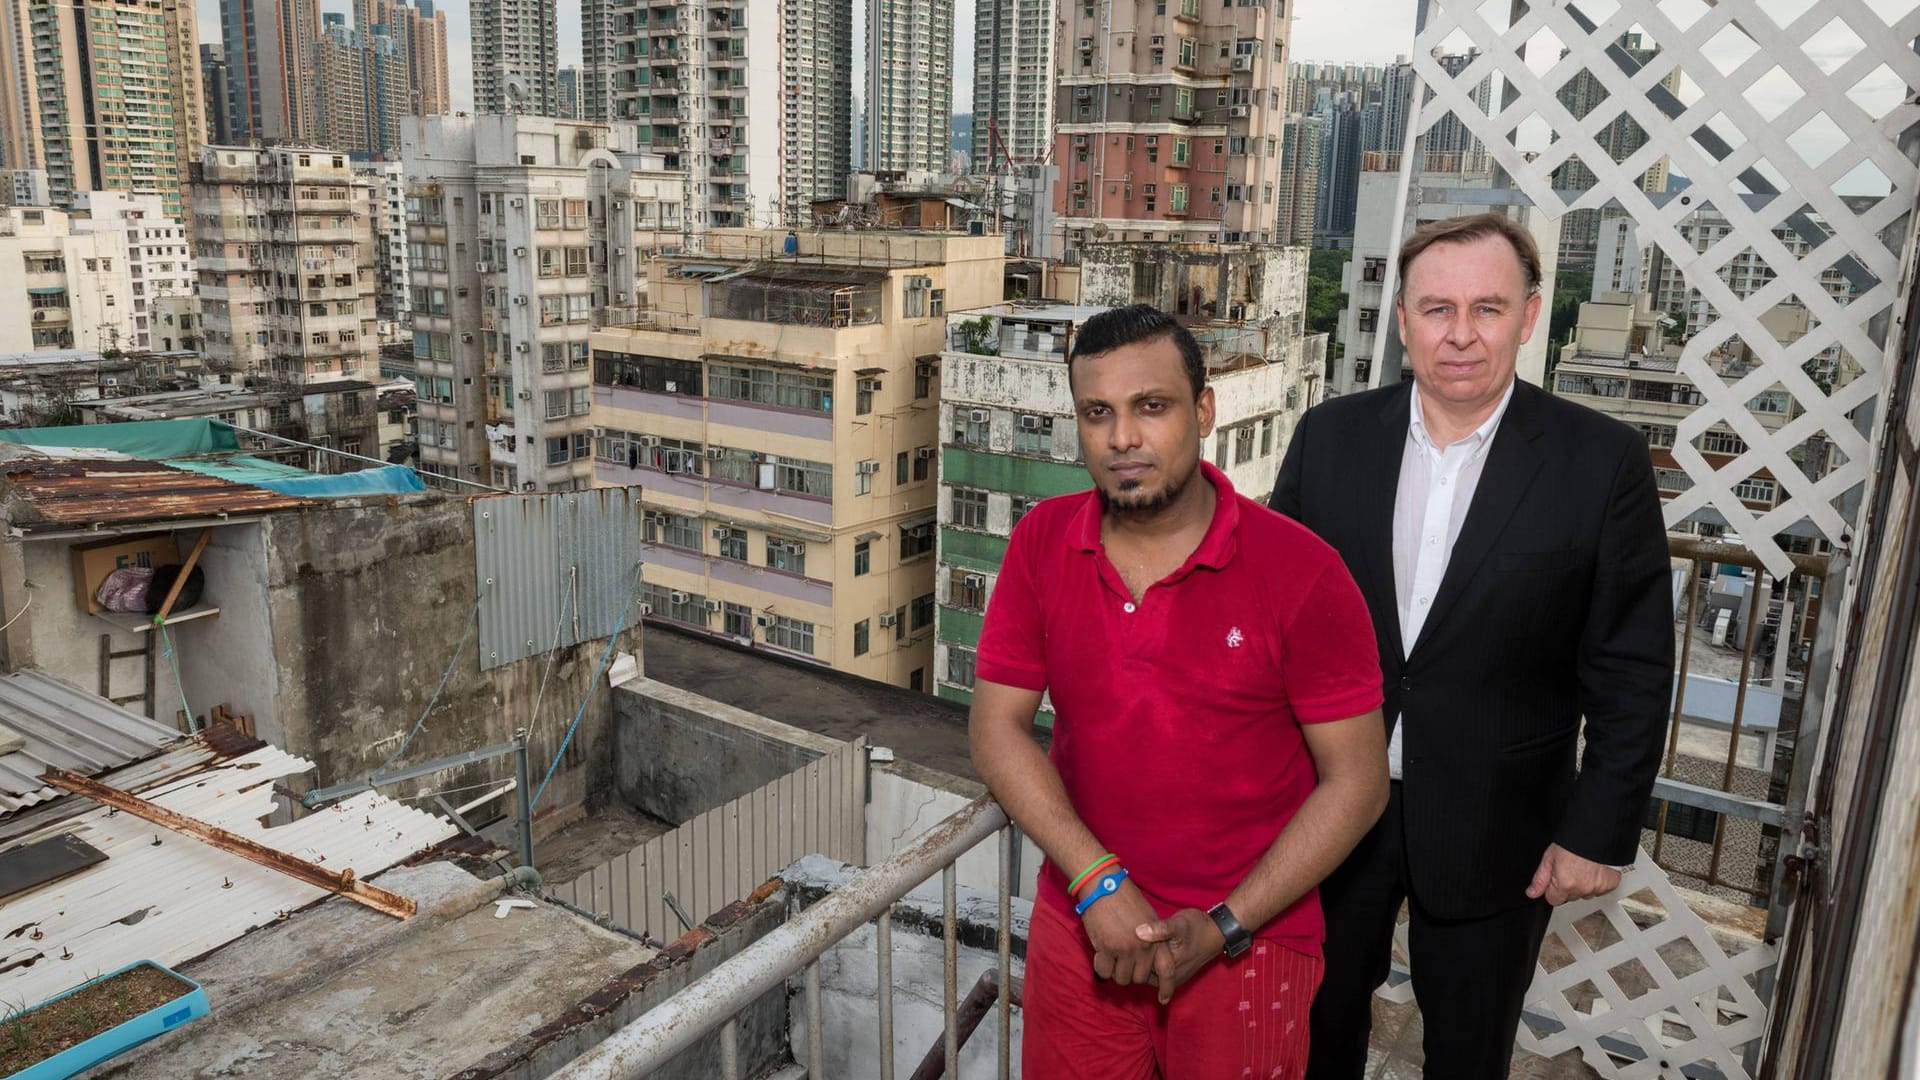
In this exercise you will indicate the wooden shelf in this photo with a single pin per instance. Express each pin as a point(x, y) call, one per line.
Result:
point(140, 624)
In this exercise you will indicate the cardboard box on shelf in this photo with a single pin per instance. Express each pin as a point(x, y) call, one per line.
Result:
point(93, 562)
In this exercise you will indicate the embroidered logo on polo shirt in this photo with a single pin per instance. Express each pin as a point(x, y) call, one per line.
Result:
point(1235, 638)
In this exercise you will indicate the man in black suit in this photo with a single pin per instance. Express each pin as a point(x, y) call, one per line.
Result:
point(1512, 554)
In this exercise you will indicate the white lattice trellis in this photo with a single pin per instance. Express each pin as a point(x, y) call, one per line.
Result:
point(1638, 1001)
point(1726, 95)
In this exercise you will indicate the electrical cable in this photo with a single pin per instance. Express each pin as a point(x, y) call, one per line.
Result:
point(173, 658)
point(606, 656)
point(472, 621)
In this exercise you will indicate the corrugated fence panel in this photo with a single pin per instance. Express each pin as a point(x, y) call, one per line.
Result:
point(561, 562)
point(725, 853)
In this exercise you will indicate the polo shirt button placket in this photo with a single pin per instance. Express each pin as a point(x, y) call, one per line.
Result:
point(1128, 607)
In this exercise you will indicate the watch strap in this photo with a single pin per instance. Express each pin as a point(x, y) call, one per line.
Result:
point(1238, 940)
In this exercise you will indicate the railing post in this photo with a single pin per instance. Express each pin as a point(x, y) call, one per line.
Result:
point(950, 933)
point(816, 1026)
point(883, 946)
point(1009, 845)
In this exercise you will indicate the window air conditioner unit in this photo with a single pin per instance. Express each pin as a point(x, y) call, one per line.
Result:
point(713, 606)
point(1239, 112)
point(678, 596)
point(518, 203)
point(521, 300)
point(483, 267)
point(646, 608)
point(868, 468)
point(923, 452)
point(888, 619)
point(973, 581)
point(1243, 63)
point(869, 385)
point(519, 346)
point(619, 251)
point(519, 253)
point(525, 395)
point(647, 440)
point(716, 453)
point(979, 416)
point(621, 298)
point(1086, 43)
point(763, 621)
point(466, 338)
point(619, 204)
point(720, 533)
point(1029, 423)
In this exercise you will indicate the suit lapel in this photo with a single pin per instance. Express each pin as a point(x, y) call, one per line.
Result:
point(1512, 461)
point(1379, 474)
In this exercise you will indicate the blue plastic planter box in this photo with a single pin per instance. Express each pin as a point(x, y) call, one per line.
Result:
point(121, 1038)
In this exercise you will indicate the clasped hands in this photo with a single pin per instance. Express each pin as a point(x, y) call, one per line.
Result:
point(1131, 945)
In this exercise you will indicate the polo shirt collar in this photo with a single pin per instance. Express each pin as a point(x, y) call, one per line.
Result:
point(1216, 548)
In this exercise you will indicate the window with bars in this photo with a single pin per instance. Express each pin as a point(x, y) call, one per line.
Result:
point(1243, 444)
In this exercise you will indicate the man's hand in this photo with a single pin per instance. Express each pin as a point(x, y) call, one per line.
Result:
point(1118, 953)
point(1191, 940)
point(1564, 876)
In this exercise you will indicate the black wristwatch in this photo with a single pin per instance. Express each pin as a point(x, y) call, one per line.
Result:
point(1238, 940)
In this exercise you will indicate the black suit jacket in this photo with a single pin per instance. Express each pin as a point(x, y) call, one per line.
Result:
point(1556, 604)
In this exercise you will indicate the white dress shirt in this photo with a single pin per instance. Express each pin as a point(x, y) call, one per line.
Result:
point(1429, 506)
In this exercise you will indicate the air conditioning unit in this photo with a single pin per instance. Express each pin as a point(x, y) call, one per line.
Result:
point(973, 581)
point(646, 608)
point(39, 316)
point(763, 621)
point(520, 346)
point(868, 468)
point(1029, 423)
point(716, 452)
point(483, 267)
point(1243, 63)
point(646, 440)
point(619, 205)
point(619, 251)
point(525, 395)
point(1239, 112)
point(721, 533)
point(868, 386)
point(979, 416)
point(518, 203)
point(519, 253)
point(466, 338)
point(1086, 43)
point(923, 453)
point(713, 606)
point(521, 300)
point(1083, 93)
point(889, 619)
point(678, 596)
point(621, 298)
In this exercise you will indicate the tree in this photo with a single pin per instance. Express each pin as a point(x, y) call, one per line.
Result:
point(1325, 301)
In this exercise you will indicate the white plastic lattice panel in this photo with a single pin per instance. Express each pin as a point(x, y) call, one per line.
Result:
point(1636, 1001)
point(1807, 101)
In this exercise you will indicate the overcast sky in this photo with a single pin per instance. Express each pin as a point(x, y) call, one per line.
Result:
point(1322, 30)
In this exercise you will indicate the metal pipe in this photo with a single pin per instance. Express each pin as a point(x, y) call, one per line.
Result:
point(816, 1026)
point(654, 1037)
point(522, 796)
point(1679, 693)
point(972, 1010)
point(357, 457)
point(1756, 604)
point(1009, 843)
point(883, 945)
point(950, 966)
point(730, 1049)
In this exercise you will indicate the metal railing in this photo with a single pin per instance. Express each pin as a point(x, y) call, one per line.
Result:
point(716, 1000)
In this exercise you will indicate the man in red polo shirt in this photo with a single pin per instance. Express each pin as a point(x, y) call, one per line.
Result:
point(1217, 747)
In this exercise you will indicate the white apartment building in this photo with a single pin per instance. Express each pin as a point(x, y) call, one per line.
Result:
point(67, 289)
point(516, 58)
point(388, 184)
point(909, 86)
point(159, 259)
point(283, 247)
point(1013, 42)
point(753, 101)
point(524, 233)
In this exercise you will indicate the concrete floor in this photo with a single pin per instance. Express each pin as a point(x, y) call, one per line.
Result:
point(593, 839)
point(413, 1001)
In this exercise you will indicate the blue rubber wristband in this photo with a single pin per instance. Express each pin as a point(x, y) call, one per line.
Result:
point(1106, 886)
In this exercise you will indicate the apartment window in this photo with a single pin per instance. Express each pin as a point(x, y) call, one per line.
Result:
point(1018, 508)
point(549, 262)
point(966, 590)
point(768, 386)
point(1659, 436)
point(582, 398)
point(922, 463)
point(659, 374)
point(733, 544)
point(960, 665)
point(1243, 444)
point(558, 450)
point(936, 305)
point(1367, 320)
point(900, 624)
point(553, 357)
point(1672, 479)
point(862, 558)
point(922, 612)
point(804, 477)
point(788, 555)
point(556, 401)
point(737, 620)
point(547, 213)
point(861, 639)
point(576, 262)
point(1177, 199)
point(791, 634)
point(1187, 51)
point(922, 379)
point(576, 213)
point(900, 469)
point(915, 540)
point(969, 508)
point(1266, 437)
point(1032, 434)
point(1720, 442)
point(970, 427)
point(1755, 490)
point(681, 531)
point(863, 398)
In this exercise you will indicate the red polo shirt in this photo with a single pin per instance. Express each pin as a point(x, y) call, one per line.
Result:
point(1177, 717)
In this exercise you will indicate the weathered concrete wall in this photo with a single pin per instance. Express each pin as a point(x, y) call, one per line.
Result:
point(222, 660)
point(849, 980)
point(907, 800)
point(367, 600)
point(678, 754)
point(763, 1025)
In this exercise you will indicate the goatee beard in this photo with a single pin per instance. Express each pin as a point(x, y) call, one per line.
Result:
point(1128, 504)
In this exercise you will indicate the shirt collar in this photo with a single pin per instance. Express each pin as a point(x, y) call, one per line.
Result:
point(1216, 548)
point(1417, 424)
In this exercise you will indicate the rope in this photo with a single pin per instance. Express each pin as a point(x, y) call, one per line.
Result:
point(553, 653)
point(173, 658)
point(606, 655)
point(472, 621)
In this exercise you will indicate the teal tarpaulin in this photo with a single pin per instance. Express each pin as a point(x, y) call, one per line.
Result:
point(150, 440)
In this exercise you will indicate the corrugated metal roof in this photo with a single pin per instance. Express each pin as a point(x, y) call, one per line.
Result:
point(70, 728)
point(181, 898)
point(71, 491)
point(537, 556)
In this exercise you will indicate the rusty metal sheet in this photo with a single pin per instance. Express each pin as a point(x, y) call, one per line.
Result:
point(87, 491)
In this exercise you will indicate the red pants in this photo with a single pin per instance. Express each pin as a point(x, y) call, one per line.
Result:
point(1235, 1019)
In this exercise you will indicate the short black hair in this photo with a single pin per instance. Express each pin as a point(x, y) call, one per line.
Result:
point(1132, 325)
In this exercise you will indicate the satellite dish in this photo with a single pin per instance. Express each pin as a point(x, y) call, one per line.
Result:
point(516, 94)
point(1100, 229)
